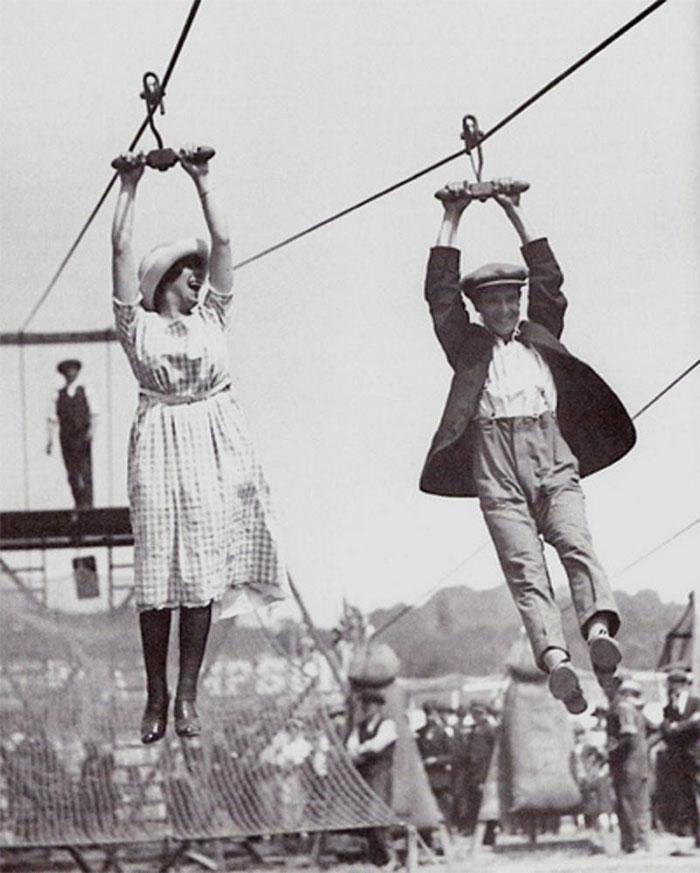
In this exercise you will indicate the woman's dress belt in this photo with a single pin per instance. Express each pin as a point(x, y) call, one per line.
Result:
point(177, 399)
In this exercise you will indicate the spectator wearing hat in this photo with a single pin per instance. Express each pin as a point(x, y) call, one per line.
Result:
point(681, 732)
point(524, 420)
point(482, 739)
point(371, 745)
point(200, 505)
point(75, 416)
point(629, 766)
point(434, 741)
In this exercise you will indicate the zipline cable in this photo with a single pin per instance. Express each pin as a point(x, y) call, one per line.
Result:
point(169, 70)
point(666, 389)
point(409, 607)
point(656, 548)
point(521, 108)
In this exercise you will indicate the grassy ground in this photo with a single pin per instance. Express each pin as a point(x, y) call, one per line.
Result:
point(562, 854)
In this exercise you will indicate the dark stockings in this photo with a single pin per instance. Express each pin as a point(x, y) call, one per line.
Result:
point(194, 631)
point(155, 633)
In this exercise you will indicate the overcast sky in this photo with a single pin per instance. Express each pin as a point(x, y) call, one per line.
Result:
point(312, 106)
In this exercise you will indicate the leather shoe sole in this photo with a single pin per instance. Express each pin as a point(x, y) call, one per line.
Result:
point(564, 685)
point(605, 653)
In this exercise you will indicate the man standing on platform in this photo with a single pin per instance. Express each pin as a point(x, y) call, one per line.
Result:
point(75, 417)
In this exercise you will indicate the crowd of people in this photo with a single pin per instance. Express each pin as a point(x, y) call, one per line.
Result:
point(647, 774)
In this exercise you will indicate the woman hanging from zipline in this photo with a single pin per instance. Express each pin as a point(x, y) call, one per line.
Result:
point(200, 506)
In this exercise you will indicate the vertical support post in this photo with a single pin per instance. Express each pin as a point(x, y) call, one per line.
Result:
point(25, 429)
point(695, 637)
point(110, 437)
point(411, 849)
point(110, 578)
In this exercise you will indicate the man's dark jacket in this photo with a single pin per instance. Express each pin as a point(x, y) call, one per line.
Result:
point(592, 419)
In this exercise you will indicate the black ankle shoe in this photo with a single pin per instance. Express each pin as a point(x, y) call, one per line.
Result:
point(154, 721)
point(187, 722)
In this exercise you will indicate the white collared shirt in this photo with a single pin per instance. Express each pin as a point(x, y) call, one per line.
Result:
point(519, 382)
point(385, 736)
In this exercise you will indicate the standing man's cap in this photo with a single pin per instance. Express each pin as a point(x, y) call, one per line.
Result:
point(679, 676)
point(491, 275)
point(69, 364)
point(160, 259)
point(630, 686)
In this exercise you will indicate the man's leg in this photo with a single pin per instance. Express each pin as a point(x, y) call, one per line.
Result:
point(86, 476)
point(561, 517)
point(501, 462)
point(72, 464)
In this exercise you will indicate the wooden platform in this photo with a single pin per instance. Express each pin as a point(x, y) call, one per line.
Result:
point(65, 528)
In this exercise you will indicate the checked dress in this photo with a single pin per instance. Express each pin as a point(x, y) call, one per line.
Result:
point(200, 505)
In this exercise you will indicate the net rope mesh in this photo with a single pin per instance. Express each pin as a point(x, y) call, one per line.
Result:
point(73, 769)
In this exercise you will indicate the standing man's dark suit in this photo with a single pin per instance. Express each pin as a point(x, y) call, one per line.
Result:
point(681, 732)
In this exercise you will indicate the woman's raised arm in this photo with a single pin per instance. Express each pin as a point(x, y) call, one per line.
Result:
point(125, 285)
point(220, 264)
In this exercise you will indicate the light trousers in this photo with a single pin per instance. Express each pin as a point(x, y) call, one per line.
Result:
point(528, 484)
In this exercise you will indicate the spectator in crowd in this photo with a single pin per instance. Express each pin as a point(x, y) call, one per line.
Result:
point(589, 766)
point(460, 750)
point(287, 752)
point(435, 747)
point(681, 733)
point(479, 750)
point(371, 745)
point(73, 412)
point(629, 766)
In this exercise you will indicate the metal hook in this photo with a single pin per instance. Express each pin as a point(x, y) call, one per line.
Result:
point(471, 136)
point(153, 94)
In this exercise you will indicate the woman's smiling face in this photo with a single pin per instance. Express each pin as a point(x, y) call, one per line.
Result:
point(188, 284)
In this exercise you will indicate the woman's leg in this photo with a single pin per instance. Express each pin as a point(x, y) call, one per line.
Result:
point(194, 632)
point(155, 635)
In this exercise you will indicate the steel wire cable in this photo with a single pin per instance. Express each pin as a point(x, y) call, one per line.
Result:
point(656, 548)
point(441, 163)
point(665, 390)
point(166, 78)
point(366, 201)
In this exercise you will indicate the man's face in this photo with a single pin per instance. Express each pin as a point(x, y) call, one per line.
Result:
point(675, 689)
point(499, 308)
point(70, 374)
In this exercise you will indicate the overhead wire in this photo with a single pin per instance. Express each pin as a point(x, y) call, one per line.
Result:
point(665, 390)
point(656, 548)
point(441, 163)
point(134, 142)
point(367, 200)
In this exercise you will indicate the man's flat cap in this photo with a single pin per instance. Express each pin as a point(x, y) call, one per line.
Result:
point(492, 275)
point(678, 675)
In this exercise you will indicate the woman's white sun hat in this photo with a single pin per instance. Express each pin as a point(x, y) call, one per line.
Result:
point(160, 259)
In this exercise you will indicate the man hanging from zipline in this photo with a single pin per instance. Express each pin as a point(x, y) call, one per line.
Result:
point(523, 421)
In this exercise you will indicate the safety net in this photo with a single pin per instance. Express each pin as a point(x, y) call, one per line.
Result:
point(271, 758)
